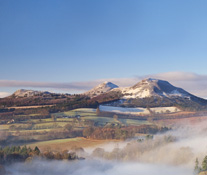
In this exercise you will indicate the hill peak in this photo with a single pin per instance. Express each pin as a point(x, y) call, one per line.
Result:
point(154, 87)
point(28, 93)
point(101, 88)
point(108, 84)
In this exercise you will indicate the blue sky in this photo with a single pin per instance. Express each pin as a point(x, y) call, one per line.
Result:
point(66, 41)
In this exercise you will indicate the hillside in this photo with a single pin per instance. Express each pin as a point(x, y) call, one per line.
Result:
point(29, 93)
point(152, 93)
point(23, 97)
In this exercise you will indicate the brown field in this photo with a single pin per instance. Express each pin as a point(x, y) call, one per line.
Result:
point(67, 144)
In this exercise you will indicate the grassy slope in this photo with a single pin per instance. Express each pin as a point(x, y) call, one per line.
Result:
point(90, 114)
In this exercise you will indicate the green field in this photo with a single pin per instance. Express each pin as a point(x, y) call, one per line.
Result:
point(134, 122)
point(90, 114)
point(81, 111)
point(62, 124)
point(57, 141)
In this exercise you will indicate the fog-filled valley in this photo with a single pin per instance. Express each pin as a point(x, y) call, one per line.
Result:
point(94, 167)
point(173, 152)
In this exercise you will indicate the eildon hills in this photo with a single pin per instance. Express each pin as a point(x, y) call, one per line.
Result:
point(147, 93)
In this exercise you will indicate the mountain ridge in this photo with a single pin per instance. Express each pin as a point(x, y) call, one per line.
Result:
point(146, 93)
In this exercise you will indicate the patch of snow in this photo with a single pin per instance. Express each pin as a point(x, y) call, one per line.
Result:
point(122, 110)
point(165, 109)
point(176, 93)
point(136, 93)
point(138, 111)
point(85, 109)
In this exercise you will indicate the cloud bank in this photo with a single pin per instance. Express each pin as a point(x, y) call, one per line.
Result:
point(93, 167)
point(194, 83)
point(4, 94)
point(29, 84)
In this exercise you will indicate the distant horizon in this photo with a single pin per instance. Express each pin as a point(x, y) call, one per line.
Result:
point(190, 82)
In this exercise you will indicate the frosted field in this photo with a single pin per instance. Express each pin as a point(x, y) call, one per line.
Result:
point(165, 109)
point(121, 110)
point(137, 111)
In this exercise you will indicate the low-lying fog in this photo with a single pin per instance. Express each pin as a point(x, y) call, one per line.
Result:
point(94, 167)
point(171, 153)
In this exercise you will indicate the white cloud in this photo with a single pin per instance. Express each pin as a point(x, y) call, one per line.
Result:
point(74, 85)
point(4, 94)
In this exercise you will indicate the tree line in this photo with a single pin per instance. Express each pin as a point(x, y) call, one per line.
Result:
point(200, 168)
point(118, 132)
point(12, 154)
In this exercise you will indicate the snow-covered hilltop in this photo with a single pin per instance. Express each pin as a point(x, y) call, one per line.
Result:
point(101, 89)
point(153, 87)
point(28, 93)
point(146, 93)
